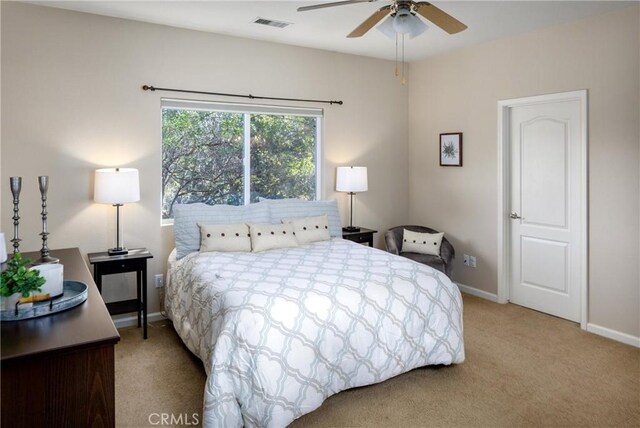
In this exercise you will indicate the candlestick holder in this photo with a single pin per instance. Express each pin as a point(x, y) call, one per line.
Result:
point(16, 187)
point(45, 258)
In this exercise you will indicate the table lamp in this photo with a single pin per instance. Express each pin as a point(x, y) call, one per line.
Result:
point(351, 179)
point(116, 186)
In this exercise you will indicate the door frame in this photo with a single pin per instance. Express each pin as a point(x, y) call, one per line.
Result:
point(504, 195)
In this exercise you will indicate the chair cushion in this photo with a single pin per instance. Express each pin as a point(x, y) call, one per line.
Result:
point(434, 261)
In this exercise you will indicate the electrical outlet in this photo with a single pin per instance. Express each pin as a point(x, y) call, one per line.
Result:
point(469, 261)
point(159, 281)
point(472, 261)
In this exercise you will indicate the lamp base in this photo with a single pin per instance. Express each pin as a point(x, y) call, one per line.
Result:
point(117, 251)
point(351, 229)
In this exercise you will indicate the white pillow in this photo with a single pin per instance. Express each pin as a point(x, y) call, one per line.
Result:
point(186, 218)
point(423, 243)
point(297, 208)
point(310, 229)
point(224, 237)
point(271, 236)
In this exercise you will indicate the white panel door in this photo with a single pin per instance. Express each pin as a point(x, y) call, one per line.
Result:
point(545, 216)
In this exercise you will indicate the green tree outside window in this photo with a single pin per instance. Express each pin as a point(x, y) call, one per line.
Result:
point(203, 152)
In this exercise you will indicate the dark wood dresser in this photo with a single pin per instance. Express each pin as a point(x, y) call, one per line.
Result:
point(58, 370)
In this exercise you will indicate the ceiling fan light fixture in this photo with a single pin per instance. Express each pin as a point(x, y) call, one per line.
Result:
point(418, 27)
point(402, 22)
point(413, 25)
point(407, 23)
point(387, 29)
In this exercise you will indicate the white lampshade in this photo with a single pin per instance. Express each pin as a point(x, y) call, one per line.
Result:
point(351, 179)
point(116, 186)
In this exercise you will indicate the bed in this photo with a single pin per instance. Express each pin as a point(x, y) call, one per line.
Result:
point(279, 331)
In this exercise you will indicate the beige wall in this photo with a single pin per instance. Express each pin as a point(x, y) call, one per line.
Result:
point(1, 180)
point(72, 103)
point(459, 92)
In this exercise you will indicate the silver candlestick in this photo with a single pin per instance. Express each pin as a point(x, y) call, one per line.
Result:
point(43, 184)
point(16, 187)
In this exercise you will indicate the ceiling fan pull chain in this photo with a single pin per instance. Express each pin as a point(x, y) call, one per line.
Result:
point(404, 80)
point(397, 70)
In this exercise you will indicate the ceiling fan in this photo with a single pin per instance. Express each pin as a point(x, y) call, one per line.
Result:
point(402, 17)
point(401, 21)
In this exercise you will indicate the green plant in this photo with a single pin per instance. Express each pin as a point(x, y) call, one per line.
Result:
point(19, 279)
point(449, 150)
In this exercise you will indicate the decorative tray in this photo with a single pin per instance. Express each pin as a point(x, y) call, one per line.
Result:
point(74, 293)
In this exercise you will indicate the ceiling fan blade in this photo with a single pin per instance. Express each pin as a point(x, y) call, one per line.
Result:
point(370, 22)
point(332, 4)
point(439, 17)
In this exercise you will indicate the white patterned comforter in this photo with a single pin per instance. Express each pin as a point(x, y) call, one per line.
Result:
point(280, 331)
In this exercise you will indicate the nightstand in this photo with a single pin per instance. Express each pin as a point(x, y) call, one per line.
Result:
point(134, 261)
point(363, 236)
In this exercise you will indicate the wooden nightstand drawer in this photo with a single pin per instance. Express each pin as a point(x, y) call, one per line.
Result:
point(121, 266)
point(363, 236)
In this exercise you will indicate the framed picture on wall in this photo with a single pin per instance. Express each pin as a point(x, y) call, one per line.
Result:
point(451, 149)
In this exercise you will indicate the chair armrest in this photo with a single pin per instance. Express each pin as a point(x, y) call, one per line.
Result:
point(447, 254)
point(391, 242)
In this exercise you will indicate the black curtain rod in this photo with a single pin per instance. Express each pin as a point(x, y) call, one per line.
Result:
point(252, 97)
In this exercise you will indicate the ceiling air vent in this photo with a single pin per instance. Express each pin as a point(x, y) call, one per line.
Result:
point(271, 22)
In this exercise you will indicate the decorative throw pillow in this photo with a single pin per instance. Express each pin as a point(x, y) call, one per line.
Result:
point(188, 216)
point(271, 236)
point(297, 208)
point(310, 229)
point(224, 237)
point(423, 243)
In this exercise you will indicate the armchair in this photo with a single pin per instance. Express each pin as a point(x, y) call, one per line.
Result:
point(443, 263)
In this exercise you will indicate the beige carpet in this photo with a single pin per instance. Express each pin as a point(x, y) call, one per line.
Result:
point(523, 368)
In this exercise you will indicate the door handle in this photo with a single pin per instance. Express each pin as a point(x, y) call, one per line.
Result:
point(514, 215)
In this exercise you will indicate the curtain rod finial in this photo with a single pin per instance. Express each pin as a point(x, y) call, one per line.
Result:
point(148, 88)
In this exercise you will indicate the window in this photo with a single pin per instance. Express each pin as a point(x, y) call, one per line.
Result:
point(234, 153)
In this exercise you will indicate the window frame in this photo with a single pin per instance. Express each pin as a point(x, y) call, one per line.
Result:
point(247, 110)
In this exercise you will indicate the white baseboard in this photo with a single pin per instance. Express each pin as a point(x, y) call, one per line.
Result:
point(133, 320)
point(614, 334)
point(477, 292)
point(591, 328)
